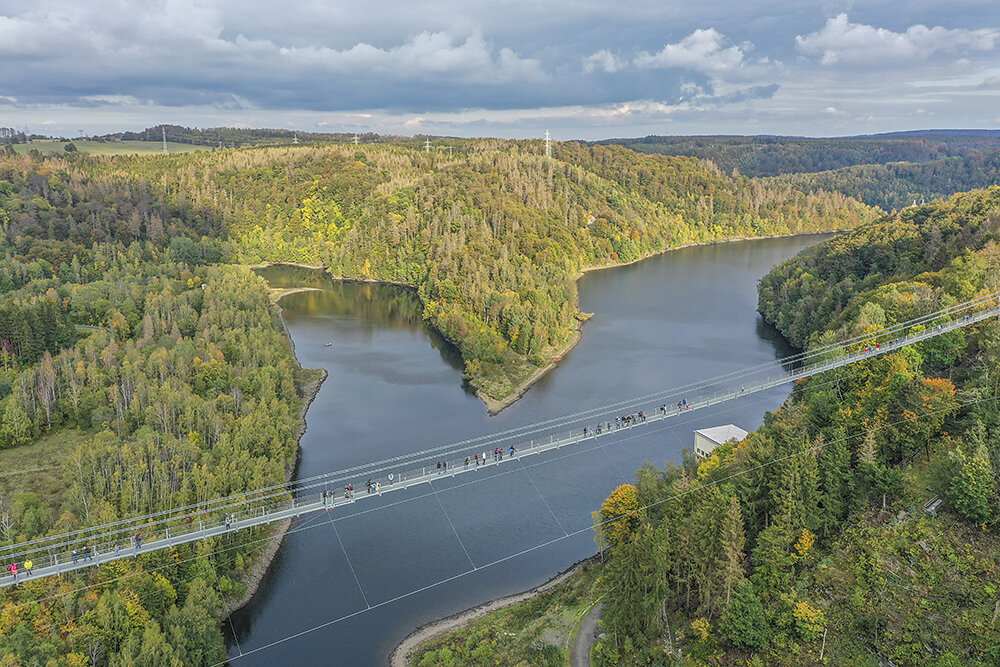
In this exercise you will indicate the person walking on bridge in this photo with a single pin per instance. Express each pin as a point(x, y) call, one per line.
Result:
point(13, 572)
point(138, 543)
point(27, 567)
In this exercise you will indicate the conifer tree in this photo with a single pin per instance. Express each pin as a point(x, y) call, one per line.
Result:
point(835, 481)
point(733, 541)
point(744, 624)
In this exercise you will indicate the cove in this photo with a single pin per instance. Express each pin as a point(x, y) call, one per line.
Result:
point(370, 576)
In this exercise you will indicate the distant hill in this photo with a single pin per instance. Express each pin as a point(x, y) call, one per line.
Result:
point(891, 170)
point(238, 136)
point(931, 133)
point(775, 155)
point(896, 185)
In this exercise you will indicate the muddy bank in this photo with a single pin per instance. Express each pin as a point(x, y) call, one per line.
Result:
point(494, 406)
point(401, 655)
point(278, 293)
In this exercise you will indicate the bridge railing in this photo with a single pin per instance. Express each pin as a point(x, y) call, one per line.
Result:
point(254, 508)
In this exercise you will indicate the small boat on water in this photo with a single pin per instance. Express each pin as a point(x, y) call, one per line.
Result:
point(327, 344)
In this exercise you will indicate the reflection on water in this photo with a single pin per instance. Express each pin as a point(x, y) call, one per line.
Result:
point(375, 305)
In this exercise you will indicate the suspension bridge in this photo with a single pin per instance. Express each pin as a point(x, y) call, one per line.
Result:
point(89, 547)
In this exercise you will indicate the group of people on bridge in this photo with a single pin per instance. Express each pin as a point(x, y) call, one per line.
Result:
point(86, 554)
point(622, 421)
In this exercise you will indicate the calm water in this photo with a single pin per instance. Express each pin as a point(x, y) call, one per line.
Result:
point(395, 387)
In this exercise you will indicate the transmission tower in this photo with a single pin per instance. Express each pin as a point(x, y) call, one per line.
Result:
point(355, 140)
point(548, 145)
point(427, 145)
point(163, 130)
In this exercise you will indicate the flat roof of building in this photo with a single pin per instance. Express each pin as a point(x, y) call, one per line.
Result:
point(722, 434)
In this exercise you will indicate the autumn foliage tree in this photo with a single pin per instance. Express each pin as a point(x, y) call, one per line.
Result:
point(620, 516)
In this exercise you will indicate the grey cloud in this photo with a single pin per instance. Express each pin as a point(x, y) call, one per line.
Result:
point(495, 67)
point(842, 42)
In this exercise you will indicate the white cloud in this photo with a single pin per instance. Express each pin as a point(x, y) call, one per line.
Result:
point(604, 61)
point(472, 60)
point(703, 50)
point(843, 42)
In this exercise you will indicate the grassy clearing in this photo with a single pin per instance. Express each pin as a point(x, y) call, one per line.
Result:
point(537, 631)
point(38, 467)
point(46, 146)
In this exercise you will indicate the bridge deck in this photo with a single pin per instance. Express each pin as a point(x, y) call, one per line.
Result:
point(57, 559)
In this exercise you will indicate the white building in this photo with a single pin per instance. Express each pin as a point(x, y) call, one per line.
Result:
point(707, 439)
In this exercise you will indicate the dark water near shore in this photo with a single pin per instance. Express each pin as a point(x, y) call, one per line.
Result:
point(370, 576)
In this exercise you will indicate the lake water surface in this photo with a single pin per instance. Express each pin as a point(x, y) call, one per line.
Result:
point(367, 577)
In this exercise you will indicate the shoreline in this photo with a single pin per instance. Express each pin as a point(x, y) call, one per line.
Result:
point(401, 654)
point(311, 385)
point(496, 405)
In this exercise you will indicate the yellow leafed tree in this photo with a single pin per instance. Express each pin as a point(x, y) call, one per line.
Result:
point(620, 516)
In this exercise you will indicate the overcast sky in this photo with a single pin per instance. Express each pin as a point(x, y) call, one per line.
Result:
point(581, 68)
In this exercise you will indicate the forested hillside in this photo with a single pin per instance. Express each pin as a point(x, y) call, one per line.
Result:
point(808, 539)
point(493, 237)
point(150, 377)
point(888, 171)
point(900, 184)
point(885, 263)
point(773, 156)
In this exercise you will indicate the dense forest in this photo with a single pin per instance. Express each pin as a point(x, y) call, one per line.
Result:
point(809, 538)
point(152, 376)
point(889, 171)
point(773, 156)
point(897, 185)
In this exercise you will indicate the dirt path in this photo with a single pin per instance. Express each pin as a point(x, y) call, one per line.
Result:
point(585, 636)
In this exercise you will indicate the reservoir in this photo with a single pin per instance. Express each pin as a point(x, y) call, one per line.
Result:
point(348, 586)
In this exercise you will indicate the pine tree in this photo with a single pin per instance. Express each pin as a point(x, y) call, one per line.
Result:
point(835, 481)
point(733, 541)
point(744, 624)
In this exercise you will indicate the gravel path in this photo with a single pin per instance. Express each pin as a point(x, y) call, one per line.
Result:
point(580, 655)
